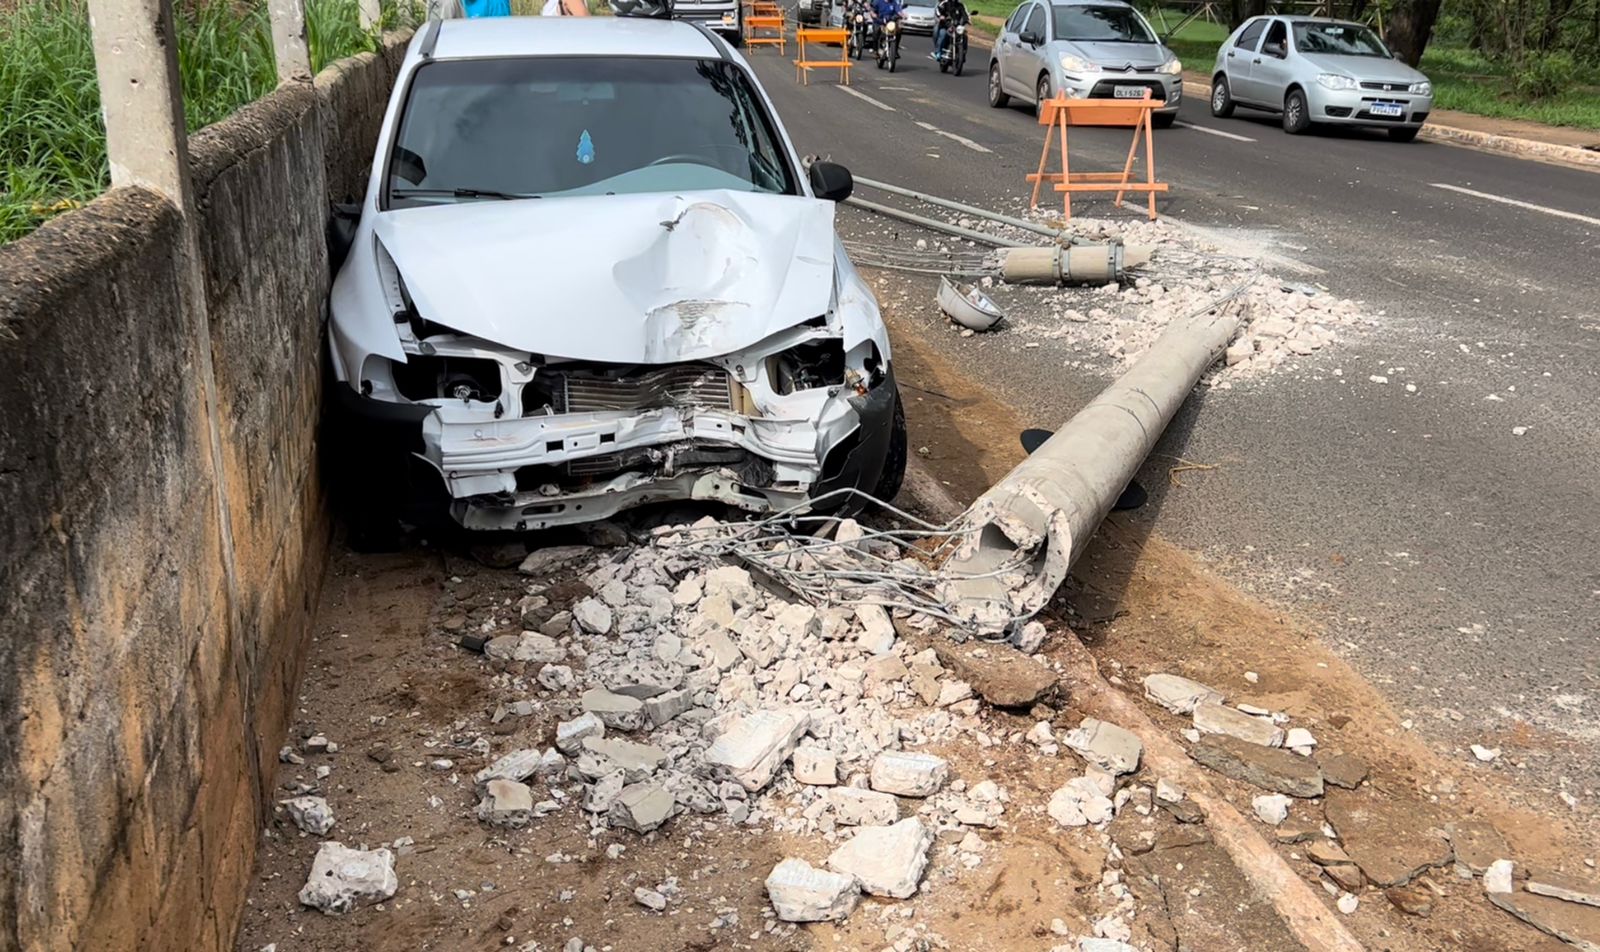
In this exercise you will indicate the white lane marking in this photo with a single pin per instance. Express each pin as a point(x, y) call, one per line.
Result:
point(1559, 213)
point(898, 89)
point(1214, 132)
point(951, 135)
point(865, 98)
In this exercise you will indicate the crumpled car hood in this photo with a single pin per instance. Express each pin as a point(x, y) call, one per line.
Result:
point(653, 278)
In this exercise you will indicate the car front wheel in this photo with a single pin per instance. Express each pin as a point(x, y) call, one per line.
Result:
point(1042, 91)
point(997, 98)
point(1221, 98)
point(1296, 114)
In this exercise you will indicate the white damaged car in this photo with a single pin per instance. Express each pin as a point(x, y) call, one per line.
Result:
point(590, 272)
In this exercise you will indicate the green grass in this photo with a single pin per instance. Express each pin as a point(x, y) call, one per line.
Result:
point(52, 141)
point(1463, 80)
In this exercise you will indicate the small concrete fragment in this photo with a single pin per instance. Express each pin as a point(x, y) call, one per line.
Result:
point(816, 766)
point(998, 673)
point(544, 561)
point(650, 899)
point(909, 774)
point(802, 893)
point(518, 765)
point(1271, 808)
point(341, 877)
point(1105, 745)
point(642, 807)
point(877, 631)
point(1342, 770)
point(754, 745)
point(616, 711)
point(1217, 719)
point(1178, 694)
point(664, 707)
point(886, 860)
point(570, 735)
point(1347, 876)
point(506, 804)
point(593, 616)
point(856, 807)
point(636, 761)
point(311, 814)
point(642, 679)
point(1497, 878)
point(1269, 768)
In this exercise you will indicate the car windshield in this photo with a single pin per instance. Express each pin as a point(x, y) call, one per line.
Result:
point(531, 127)
point(1339, 39)
point(1101, 25)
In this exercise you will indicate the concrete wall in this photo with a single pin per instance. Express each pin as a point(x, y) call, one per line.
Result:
point(145, 687)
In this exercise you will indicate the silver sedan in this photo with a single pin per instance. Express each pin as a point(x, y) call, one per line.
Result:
point(1315, 71)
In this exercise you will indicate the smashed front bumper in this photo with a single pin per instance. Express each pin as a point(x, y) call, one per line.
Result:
point(717, 438)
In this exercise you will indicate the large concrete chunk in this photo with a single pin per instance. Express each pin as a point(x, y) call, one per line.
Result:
point(755, 745)
point(1105, 745)
point(570, 735)
point(311, 814)
point(341, 877)
point(1392, 838)
point(802, 893)
point(636, 761)
point(642, 807)
point(506, 804)
point(1217, 719)
point(1269, 768)
point(886, 860)
point(643, 679)
point(998, 673)
point(545, 561)
point(518, 765)
point(856, 807)
point(1177, 694)
point(909, 774)
point(616, 711)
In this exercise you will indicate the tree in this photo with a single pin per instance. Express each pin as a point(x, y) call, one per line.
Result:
point(1410, 24)
point(1242, 10)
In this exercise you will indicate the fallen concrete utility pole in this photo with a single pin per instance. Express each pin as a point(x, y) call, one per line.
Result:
point(1034, 522)
point(973, 210)
point(933, 224)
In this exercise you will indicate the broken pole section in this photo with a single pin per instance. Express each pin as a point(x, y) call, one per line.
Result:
point(371, 14)
point(289, 46)
point(1044, 511)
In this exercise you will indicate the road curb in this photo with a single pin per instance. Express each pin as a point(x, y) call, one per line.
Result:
point(1301, 911)
point(1569, 155)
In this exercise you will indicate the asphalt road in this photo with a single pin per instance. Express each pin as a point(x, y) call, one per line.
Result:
point(1456, 563)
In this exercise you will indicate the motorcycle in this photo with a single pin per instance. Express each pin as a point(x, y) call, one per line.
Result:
point(860, 33)
point(954, 55)
point(889, 45)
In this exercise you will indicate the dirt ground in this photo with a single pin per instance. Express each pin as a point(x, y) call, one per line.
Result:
point(387, 682)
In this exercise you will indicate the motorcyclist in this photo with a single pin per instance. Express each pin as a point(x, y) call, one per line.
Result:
point(951, 14)
point(885, 11)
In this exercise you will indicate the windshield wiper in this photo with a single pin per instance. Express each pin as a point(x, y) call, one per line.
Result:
point(458, 193)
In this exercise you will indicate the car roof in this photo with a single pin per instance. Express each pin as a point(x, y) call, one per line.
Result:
point(490, 37)
point(1087, 3)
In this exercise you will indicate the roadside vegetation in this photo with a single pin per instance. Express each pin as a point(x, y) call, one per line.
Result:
point(52, 139)
point(1508, 59)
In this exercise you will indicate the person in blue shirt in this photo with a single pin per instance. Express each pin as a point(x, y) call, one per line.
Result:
point(887, 9)
point(486, 8)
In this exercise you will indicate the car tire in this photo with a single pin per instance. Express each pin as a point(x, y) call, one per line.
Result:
point(1296, 114)
point(1163, 120)
point(1407, 134)
point(997, 98)
point(1221, 98)
point(894, 463)
point(1041, 93)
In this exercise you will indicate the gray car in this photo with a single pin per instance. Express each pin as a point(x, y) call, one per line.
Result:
point(1091, 49)
point(1313, 71)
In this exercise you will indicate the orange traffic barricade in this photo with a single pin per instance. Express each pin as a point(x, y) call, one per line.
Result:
point(822, 37)
point(764, 25)
point(1060, 112)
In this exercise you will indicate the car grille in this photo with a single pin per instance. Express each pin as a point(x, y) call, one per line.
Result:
point(1387, 87)
point(588, 391)
point(1106, 88)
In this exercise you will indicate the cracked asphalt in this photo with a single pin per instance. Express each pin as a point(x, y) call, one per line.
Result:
point(1452, 556)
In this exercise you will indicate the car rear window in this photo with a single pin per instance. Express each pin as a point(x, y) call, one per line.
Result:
point(531, 127)
point(1096, 24)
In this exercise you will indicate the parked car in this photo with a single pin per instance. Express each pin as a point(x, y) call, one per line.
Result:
point(726, 17)
point(919, 18)
point(1314, 70)
point(1091, 49)
point(591, 272)
point(812, 11)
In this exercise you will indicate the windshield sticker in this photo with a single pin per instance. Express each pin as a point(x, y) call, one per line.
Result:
point(585, 148)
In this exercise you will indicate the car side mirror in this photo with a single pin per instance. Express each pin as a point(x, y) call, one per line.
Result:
point(831, 181)
point(1031, 38)
point(1275, 50)
point(342, 224)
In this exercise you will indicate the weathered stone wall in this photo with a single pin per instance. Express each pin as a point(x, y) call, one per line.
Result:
point(157, 604)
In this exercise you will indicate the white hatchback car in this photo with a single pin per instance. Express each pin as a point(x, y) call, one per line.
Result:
point(590, 272)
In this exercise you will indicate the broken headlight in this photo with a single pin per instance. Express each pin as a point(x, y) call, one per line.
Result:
point(423, 377)
point(818, 363)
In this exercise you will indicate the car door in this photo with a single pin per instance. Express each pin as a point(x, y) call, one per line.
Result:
point(1029, 58)
point(1005, 48)
point(1269, 69)
point(1236, 63)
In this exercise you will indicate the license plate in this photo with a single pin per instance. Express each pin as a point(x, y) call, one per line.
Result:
point(1128, 92)
point(1387, 109)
